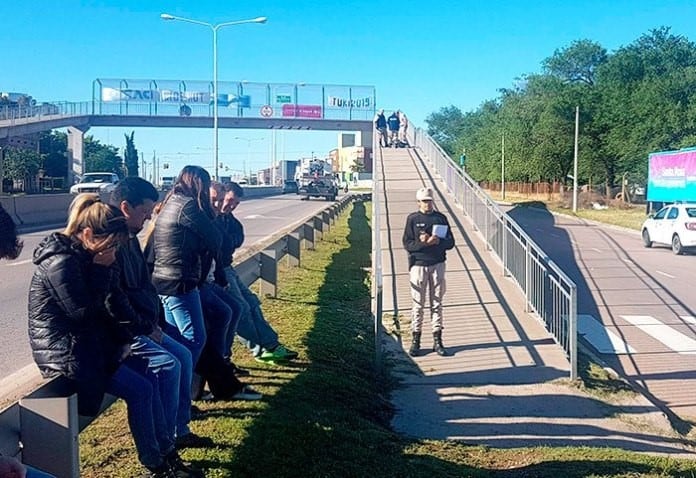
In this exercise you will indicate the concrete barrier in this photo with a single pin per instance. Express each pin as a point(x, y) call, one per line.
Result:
point(40, 209)
point(47, 209)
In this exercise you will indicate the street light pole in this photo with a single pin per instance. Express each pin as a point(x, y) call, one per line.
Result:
point(214, 28)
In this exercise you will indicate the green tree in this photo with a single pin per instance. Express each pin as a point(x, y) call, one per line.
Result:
point(578, 62)
point(20, 164)
point(53, 146)
point(445, 126)
point(101, 157)
point(130, 156)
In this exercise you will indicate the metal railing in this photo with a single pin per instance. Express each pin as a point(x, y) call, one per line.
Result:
point(549, 293)
point(377, 276)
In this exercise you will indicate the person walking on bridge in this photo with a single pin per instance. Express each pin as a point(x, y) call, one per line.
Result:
point(381, 127)
point(427, 237)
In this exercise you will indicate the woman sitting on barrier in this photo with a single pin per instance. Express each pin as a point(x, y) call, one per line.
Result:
point(73, 333)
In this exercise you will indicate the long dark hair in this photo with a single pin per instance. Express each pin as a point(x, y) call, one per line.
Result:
point(10, 245)
point(194, 182)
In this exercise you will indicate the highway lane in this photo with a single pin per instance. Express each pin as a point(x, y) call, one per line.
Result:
point(644, 297)
point(261, 218)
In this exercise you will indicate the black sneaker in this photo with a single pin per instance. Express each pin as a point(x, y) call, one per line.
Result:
point(181, 468)
point(239, 372)
point(162, 471)
point(191, 440)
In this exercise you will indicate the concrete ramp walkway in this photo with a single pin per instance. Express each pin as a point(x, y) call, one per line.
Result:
point(505, 384)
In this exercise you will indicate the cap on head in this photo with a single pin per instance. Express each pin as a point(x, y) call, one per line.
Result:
point(424, 194)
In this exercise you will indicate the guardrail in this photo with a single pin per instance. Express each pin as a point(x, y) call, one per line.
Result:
point(549, 293)
point(43, 427)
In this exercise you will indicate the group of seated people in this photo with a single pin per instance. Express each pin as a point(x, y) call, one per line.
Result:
point(149, 316)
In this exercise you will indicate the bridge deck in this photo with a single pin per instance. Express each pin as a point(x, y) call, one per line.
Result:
point(499, 387)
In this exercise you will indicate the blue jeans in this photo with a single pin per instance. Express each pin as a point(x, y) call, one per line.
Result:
point(34, 473)
point(184, 316)
point(252, 329)
point(164, 370)
point(220, 317)
point(183, 414)
point(147, 423)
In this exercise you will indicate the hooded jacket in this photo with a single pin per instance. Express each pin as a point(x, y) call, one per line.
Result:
point(71, 331)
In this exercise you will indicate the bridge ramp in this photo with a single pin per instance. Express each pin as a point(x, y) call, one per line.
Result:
point(505, 383)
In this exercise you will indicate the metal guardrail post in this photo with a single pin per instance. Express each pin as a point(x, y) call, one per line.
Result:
point(573, 332)
point(308, 234)
point(319, 224)
point(294, 245)
point(54, 421)
point(269, 272)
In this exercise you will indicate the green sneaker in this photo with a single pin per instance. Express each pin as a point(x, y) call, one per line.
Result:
point(278, 354)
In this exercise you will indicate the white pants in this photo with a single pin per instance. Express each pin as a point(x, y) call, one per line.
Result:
point(430, 279)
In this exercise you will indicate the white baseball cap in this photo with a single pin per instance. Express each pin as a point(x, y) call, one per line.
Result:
point(424, 194)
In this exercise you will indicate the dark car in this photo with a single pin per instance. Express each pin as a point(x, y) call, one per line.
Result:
point(289, 186)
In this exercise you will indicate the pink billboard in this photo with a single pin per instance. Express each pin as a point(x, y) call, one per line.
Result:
point(302, 111)
point(672, 176)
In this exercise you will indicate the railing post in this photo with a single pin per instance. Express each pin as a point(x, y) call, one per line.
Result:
point(269, 273)
point(294, 244)
point(308, 233)
point(49, 433)
point(573, 331)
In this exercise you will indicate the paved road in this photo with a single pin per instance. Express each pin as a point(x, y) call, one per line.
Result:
point(644, 297)
point(261, 217)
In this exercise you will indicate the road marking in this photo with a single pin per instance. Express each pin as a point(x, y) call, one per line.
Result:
point(666, 275)
point(595, 249)
point(688, 318)
point(18, 263)
point(602, 339)
point(670, 337)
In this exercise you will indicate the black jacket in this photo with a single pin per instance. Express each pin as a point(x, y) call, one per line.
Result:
point(232, 238)
point(183, 234)
point(141, 309)
point(71, 331)
point(419, 253)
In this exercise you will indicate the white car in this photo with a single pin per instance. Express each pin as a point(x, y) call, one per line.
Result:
point(673, 225)
point(100, 183)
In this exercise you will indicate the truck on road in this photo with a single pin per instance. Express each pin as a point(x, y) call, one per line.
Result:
point(315, 178)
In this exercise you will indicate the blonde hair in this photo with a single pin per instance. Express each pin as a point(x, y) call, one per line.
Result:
point(107, 222)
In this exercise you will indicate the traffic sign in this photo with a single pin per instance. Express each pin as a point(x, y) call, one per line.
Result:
point(266, 111)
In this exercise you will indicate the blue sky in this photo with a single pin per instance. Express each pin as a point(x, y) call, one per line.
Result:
point(419, 55)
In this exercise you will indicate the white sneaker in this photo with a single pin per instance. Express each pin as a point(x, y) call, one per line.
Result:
point(247, 393)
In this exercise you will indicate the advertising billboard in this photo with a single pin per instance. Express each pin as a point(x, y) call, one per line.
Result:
point(672, 176)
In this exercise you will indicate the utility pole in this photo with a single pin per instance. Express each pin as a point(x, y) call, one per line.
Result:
point(575, 161)
point(502, 166)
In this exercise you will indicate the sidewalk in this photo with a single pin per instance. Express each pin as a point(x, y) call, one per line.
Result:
point(506, 384)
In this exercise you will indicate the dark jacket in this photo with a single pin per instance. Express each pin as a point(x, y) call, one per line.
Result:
point(380, 121)
point(232, 239)
point(183, 233)
point(393, 122)
point(71, 331)
point(141, 309)
point(418, 253)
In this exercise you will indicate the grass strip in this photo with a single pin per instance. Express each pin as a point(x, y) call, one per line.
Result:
point(327, 414)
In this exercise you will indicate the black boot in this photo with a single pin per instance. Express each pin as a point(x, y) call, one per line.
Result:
point(438, 348)
point(415, 344)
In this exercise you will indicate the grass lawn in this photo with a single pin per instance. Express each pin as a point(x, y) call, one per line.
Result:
point(328, 414)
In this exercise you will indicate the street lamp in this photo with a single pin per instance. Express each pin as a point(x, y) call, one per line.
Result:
point(214, 28)
point(248, 140)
